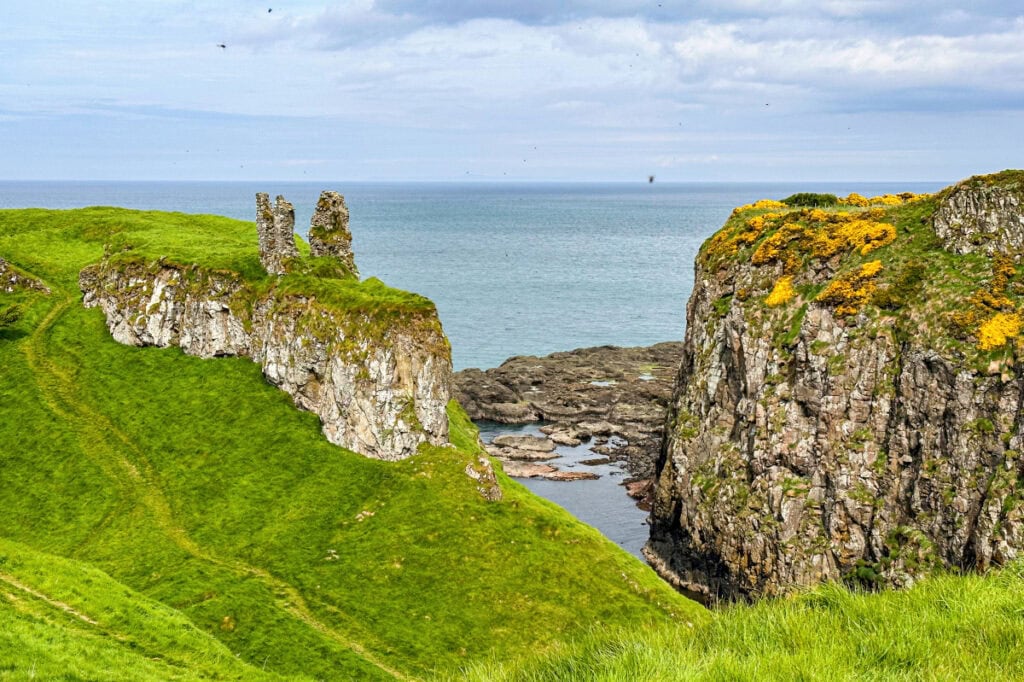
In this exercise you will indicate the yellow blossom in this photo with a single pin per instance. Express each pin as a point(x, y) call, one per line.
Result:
point(781, 293)
point(998, 329)
point(848, 292)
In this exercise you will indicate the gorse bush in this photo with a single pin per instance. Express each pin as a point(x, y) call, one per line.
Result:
point(811, 199)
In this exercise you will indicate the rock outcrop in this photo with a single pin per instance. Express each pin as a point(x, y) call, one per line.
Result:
point(378, 375)
point(328, 231)
point(982, 214)
point(843, 411)
point(597, 393)
point(275, 228)
point(12, 279)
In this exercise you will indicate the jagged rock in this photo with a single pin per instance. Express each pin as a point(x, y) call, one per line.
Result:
point(12, 279)
point(379, 395)
point(487, 483)
point(983, 214)
point(328, 231)
point(805, 446)
point(275, 227)
point(624, 390)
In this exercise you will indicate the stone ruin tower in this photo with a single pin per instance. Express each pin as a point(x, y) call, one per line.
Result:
point(276, 230)
point(328, 232)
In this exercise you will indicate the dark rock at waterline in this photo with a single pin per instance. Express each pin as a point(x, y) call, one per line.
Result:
point(600, 392)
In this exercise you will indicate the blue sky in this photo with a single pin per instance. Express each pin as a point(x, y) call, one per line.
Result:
point(728, 90)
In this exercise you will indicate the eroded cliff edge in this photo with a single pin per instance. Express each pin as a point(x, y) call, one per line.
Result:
point(372, 362)
point(850, 398)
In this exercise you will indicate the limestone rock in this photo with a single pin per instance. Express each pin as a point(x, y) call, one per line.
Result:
point(377, 395)
point(328, 230)
point(275, 227)
point(487, 483)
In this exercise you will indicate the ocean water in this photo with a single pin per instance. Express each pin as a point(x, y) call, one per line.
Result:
point(515, 269)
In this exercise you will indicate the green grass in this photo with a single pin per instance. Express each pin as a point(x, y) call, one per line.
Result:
point(947, 627)
point(196, 490)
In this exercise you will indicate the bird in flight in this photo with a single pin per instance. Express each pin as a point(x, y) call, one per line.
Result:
point(222, 46)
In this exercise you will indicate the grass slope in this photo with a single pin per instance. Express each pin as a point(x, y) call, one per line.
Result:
point(203, 492)
point(945, 628)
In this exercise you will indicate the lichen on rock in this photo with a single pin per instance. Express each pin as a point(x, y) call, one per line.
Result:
point(328, 231)
point(275, 228)
point(854, 431)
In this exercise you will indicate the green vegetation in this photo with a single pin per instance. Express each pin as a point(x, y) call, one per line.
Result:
point(945, 628)
point(191, 490)
point(879, 259)
point(811, 199)
point(9, 314)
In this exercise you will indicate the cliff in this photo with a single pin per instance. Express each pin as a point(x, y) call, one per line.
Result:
point(371, 362)
point(849, 401)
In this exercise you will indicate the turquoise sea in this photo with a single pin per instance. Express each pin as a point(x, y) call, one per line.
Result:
point(515, 269)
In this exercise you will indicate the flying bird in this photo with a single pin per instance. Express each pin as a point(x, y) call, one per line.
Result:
point(222, 46)
point(650, 179)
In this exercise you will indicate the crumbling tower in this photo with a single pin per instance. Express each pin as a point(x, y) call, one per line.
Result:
point(328, 230)
point(276, 230)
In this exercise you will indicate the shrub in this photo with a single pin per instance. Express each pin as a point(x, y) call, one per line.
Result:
point(9, 315)
point(850, 291)
point(811, 199)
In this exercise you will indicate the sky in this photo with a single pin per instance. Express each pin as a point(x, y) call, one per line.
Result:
point(697, 90)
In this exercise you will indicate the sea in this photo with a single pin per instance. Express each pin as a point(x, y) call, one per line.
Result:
point(514, 268)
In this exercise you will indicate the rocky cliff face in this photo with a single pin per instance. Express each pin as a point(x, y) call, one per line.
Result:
point(849, 402)
point(377, 373)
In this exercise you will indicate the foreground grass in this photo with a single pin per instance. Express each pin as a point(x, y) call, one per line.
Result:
point(945, 628)
point(194, 487)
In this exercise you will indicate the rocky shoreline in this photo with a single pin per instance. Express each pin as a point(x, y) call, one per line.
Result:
point(615, 398)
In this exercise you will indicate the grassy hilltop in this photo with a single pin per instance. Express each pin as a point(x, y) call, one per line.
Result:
point(172, 517)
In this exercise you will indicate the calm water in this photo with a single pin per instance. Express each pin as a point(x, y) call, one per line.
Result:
point(514, 269)
point(602, 503)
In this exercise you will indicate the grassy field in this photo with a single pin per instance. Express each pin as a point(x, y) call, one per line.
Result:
point(239, 541)
point(945, 628)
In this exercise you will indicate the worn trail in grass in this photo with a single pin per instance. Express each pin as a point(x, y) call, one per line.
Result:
point(195, 486)
point(106, 445)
